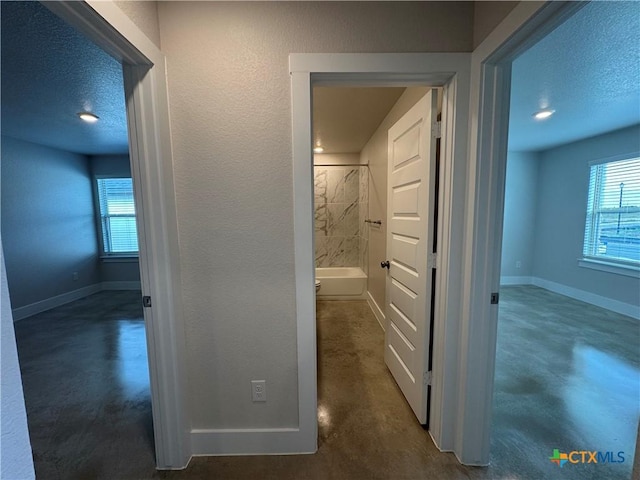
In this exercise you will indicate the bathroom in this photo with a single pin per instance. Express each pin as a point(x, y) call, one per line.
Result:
point(350, 128)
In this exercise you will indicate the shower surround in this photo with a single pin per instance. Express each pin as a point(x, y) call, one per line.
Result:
point(341, 199)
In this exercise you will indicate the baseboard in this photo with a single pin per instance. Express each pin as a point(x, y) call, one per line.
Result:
point(274, 441)
point(59, 300)
point(516, 281)
point(588, 297)
point(53, 302)
point(133, 285)
point(377, 311)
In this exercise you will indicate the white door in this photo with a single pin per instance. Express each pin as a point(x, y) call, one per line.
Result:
point(410, 230)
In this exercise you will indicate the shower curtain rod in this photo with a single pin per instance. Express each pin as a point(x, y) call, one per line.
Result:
point(340, 165)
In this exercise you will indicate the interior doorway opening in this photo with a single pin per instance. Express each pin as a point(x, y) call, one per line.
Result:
point(150, 154)
point(545, 276)
point(351, 150)
point(70, 242)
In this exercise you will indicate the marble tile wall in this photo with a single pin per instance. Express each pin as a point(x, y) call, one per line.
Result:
point(338, 216)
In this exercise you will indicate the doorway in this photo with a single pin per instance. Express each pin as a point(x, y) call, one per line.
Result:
point(70, 243)
point(352, 128)
point(150, 153)
point(547, 280)
point(423, 69)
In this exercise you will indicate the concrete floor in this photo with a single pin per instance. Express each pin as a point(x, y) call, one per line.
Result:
point(88, 405)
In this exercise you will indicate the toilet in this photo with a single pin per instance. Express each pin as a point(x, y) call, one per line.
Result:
point(317, 285)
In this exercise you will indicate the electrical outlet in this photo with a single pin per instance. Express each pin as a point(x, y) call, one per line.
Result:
point(74, 276)
point(518, 264)
point(259, 390)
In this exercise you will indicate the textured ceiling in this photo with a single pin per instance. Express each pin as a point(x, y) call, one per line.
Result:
point(50, 72)
point(587, 70)
point(344, 119)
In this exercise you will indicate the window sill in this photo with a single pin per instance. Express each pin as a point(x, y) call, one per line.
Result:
point(610, 267)
point(119, 258)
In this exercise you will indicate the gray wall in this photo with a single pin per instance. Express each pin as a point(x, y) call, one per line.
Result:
point(487, 16)
point(48, 227)
point(229, 95)
point(563, 180)
point(519, 214)
point(116, 270)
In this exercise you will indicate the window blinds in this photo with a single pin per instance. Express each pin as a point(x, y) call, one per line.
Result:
point(117, 215)
point(612, 230)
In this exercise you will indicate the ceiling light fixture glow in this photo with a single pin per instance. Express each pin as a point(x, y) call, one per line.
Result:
point(88, 117)
point(318, 149)
point(542, 114)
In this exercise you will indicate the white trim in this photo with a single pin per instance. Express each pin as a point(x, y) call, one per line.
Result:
point(377, 311)
point(527, 23)
point(450, 70)
point(121, 285)
point(120, 258)
point(275, 441)
point(64, 298)
point(617, 306)
point(53, 302)
point(610, 267)
point(504, 281)
point(152, 172)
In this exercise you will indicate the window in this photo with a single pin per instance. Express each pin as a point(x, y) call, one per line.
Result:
point(612, 230)
point(117, 216)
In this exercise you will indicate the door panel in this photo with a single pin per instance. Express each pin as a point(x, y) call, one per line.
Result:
point(410, 226)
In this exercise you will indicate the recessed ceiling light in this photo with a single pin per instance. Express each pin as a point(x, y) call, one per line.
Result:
point(542, 114)
point(88, 117)
point(318, 149)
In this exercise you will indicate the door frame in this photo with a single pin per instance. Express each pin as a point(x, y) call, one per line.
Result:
point(452, 72)
point(145, 84)
point(528, 23)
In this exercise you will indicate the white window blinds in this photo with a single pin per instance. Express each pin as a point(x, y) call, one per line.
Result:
point(612, 230)
point(117, 216)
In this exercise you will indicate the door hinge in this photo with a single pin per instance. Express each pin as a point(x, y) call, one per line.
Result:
point(146, 301)
point(432, 259)
point(427, 378)
point(495, 298)
point(437, 129)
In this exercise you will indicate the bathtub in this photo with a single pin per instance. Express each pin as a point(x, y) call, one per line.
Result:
point(341, 283)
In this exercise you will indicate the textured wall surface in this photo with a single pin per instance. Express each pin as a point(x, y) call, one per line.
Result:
point(563, 180)
point(229, 94)
point(487, 16)
point(519, 214)
point(15, 448)
point(48, 226)
point(375, 154)
point(145, 15)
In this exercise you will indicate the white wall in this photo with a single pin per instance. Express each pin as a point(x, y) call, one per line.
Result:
point(48, 226)
point(15, 448)
point(229, 93)
point(375, 154)
point(145, 15)
point(563, 181)
point(520, 201)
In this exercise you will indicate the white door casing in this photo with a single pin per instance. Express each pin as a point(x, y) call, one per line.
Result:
point(410, 235)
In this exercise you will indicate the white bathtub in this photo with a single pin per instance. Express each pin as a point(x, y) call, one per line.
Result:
point(341, 283)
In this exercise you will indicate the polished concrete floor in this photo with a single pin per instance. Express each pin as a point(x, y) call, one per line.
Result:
point(566, 378)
